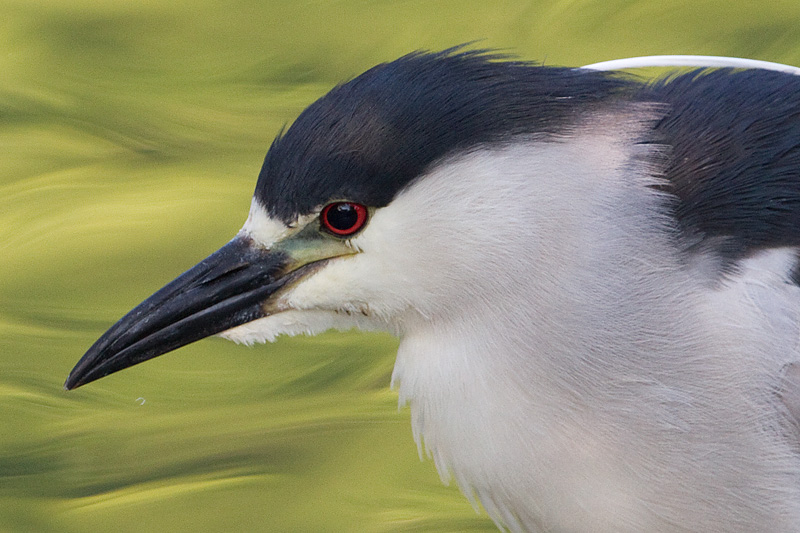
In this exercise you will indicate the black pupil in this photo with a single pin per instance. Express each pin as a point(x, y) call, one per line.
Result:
point(342, 216)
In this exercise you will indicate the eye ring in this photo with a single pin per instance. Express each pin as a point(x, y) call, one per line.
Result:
point(343, 218)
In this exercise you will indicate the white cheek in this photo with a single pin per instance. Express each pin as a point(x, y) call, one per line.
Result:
point(349, 292)
point(360, 284)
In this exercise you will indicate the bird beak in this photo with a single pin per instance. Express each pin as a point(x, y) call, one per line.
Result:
point(236, 284)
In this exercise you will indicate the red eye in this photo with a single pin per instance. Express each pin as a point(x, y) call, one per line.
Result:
point(343, 218)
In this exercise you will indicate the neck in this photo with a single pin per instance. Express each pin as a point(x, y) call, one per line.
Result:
point(511, 396)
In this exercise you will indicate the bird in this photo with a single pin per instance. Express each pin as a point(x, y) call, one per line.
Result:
point(594, 278)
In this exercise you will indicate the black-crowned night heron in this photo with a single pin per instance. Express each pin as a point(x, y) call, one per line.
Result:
point(594, 280)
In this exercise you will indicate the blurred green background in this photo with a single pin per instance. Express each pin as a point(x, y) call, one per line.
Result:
point(131, 136)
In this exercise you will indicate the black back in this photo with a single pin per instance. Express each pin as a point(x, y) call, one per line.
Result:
point(734, 161)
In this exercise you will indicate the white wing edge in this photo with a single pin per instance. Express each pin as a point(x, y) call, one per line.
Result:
point(690, 61)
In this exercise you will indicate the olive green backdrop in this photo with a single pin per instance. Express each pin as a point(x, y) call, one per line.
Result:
point(131, 134)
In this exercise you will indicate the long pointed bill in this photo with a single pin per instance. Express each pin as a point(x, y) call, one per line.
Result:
point(232, 286)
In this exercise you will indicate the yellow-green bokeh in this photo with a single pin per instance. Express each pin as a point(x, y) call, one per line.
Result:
point(131, 134)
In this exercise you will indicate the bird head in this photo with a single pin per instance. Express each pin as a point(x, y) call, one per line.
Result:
point(376, 209)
